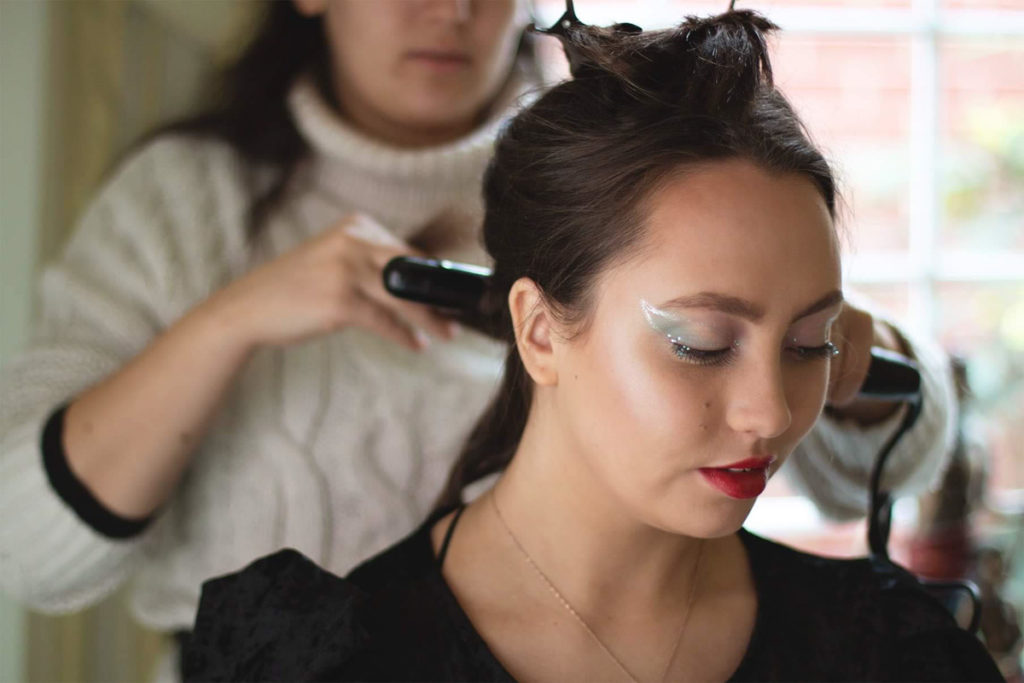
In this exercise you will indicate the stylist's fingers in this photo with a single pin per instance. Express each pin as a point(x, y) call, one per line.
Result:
point(375, 318)
point(419, 315)
point(367, 260)
point(853, 334)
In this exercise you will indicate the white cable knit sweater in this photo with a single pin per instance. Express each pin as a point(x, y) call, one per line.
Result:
point(335, 447)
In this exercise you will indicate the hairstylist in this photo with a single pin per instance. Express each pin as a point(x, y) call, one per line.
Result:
point(217, 372)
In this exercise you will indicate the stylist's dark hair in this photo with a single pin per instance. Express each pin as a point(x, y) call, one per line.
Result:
point(250, 103)
point(567, 189)
point(249, 108)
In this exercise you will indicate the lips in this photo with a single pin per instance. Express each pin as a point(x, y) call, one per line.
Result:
point(741, 480)
point(442, 59)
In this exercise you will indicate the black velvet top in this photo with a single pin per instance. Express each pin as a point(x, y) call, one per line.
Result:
point(394, 618)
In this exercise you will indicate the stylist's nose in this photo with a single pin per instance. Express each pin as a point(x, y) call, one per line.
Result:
point(454, 11)
point(758, 406)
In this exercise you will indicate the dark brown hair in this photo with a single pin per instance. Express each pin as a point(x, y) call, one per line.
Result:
point(566, 190)
point(248, 107)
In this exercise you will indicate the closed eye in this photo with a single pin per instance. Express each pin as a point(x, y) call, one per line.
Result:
point(704, 357)
point(825, 351)
point(716, 357)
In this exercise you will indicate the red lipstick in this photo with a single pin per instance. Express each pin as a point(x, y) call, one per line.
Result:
point(744, 479)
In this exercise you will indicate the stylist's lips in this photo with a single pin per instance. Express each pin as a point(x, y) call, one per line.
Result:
point(440, 60)
point(744, 479)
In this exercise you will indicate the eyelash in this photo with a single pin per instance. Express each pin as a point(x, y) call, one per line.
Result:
point(718, 357)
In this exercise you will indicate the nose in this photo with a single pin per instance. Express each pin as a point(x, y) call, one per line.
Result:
point(758, 405)
point(454, 11)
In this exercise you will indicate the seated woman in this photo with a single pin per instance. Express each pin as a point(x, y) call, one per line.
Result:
point(667, 261)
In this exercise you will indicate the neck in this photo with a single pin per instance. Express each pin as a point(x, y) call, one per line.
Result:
point(403, 135)
point(581, 536)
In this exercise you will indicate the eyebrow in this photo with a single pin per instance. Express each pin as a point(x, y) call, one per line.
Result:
point(747, 309)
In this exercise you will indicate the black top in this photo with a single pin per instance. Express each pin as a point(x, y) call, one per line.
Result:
point(394, 618)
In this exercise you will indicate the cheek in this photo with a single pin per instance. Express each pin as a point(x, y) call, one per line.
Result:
point(634, 405)
point(806, 388)
point(362, 57)
point(495, 38)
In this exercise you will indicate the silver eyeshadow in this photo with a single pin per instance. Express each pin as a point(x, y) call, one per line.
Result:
point(678, 330)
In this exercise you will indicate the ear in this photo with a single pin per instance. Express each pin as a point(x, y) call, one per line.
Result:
point(534, 330)
point(310, 8)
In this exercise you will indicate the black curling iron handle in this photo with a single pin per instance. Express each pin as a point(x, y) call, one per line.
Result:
point(444, 284)
point(891, 377)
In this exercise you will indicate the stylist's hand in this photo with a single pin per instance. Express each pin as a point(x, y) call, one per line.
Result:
point(324, 285)
point(854, 333)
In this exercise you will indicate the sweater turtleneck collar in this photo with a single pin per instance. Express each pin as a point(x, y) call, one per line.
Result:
point(336, 142)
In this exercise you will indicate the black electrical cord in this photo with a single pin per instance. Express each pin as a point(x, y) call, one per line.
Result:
point(880, 518)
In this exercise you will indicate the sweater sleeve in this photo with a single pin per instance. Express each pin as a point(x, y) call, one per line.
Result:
point(128, 270)
point(832, 465)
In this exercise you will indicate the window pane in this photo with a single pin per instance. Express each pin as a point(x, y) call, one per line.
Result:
point(984, 324)
point(982, 4)
point(982, 172)
point(766, 5)
point(892, 300)
point(854, 96)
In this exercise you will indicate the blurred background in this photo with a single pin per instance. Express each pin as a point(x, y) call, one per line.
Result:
point(919, 102)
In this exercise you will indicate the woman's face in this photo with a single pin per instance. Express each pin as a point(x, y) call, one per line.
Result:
point(708, 351)
point(418, 72)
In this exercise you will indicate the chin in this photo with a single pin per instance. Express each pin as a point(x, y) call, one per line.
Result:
point(709, 519)
point(717, 526)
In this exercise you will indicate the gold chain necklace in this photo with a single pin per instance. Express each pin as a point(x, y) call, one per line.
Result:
point(576, 615)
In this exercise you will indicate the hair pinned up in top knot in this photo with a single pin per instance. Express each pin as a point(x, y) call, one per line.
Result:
point(716, 61)
point(578, 39)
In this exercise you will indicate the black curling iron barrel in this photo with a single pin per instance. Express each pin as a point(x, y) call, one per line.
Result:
point(442, 284)
point(891, 377)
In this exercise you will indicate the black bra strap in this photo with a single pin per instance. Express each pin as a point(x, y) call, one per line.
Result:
point(448, 537)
